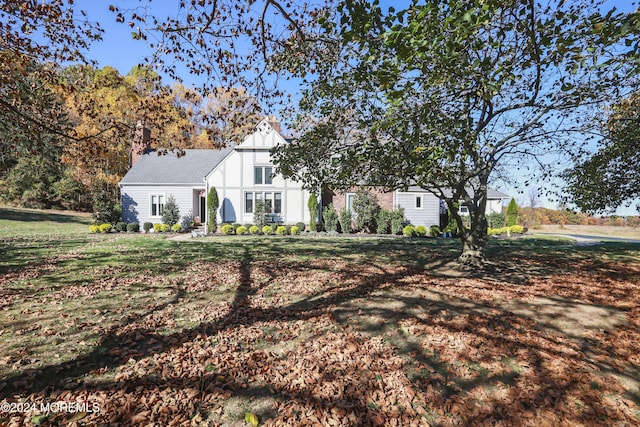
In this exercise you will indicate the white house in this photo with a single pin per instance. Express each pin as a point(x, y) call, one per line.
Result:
point(241, 175)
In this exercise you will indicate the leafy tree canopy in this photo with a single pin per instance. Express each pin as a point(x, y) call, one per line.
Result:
point(609, 179)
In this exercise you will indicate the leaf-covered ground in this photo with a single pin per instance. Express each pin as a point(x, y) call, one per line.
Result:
point(311, 331)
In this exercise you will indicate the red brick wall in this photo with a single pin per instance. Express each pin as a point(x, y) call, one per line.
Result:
point(339, 199)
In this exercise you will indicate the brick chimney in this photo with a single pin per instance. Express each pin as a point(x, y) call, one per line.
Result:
point(141, 143)
point(275, 124)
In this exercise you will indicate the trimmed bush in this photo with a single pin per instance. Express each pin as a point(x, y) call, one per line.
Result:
point(105, 228)
point(312, 205)
point(365, 207)
point(165, 228)
point(267, 229)
point(494, 231)
point(421, 231)
point(171, 211)
point(281, 230)
point(121, 227)
point(345, 220)
point(94, 229)
point(518, 229)
point(330, 217)
point(157, 228)
point(434, 231)
point(176, 228)
point(409, 231)
point(301, 226)
point(133, 227)
point(512, 213)
point(397, 221)
point(227, 229)
point(212, 206)
point(295, 230)
point(254, 230)
point(235, 226)
point(147, 226)
point(242, 230)
point(504, 230)
point(383, 224)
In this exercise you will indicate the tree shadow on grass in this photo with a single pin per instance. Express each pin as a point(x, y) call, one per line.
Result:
point(454, 352)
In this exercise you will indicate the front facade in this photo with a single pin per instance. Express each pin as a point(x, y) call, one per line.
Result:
point(246, 176)
point(241, 175)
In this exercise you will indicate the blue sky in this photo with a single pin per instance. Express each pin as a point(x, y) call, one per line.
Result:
point(120, 50)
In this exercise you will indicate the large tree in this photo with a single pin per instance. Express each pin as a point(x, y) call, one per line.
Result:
point(445, 94)
point(609, 178)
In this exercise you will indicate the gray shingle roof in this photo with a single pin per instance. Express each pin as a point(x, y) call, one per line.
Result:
point(491, 193)
point(191, 168)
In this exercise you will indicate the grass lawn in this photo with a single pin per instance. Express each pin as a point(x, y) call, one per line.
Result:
point(146, 330)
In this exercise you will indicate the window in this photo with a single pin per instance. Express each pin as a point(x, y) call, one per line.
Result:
point(418, 202)
point(263, 175)
point(273, 201)
point(350, 198)
point(157, 204)
point(248, 202)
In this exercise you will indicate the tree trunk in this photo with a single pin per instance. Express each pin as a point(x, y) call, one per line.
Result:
point(473, 246)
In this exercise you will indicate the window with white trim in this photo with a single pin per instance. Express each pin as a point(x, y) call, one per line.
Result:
point(273, 201)
point(157, 205)
point(263, 175)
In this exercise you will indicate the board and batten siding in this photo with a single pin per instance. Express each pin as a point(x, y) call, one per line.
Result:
point(136, 201)
point(429, 212)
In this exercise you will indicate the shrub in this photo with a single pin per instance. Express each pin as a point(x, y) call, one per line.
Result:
point(274, 227)
point(157, 228)
point(235, 226)
point(409, 230)
point(121, 227)
point(434, 231)
point(254, 229)
point(147, 226)
point(295, 230)
point(397, 221)
point(171, 211)
point(94, 229)
point(312, 204)
point(421, 231)
point(212, 206)
point(227, 229)
point(164, 228)
point(345, 220)
point(176, 228)
point(383, 224)
point(281, 230)
point(494, 231)
point(133, 227)
point(104, 206)
point(495, 220)
point(330, 217)
point(260, 213)
point(105, 228)
point(512, 213)
point(301, 226)
point(518, 229)
point(365, 208)
point(267, 229)
point(241, 230)
point(504, 230)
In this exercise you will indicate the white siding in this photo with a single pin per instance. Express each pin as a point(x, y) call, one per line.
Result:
point(234, 176)
point(427, 215)
point(136, 201)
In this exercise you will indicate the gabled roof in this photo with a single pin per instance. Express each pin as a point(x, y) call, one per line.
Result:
point(191, 168)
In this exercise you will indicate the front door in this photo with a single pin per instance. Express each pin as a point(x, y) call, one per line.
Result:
point(203, 208)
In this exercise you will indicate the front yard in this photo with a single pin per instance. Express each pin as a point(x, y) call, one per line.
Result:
point(141, 329)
